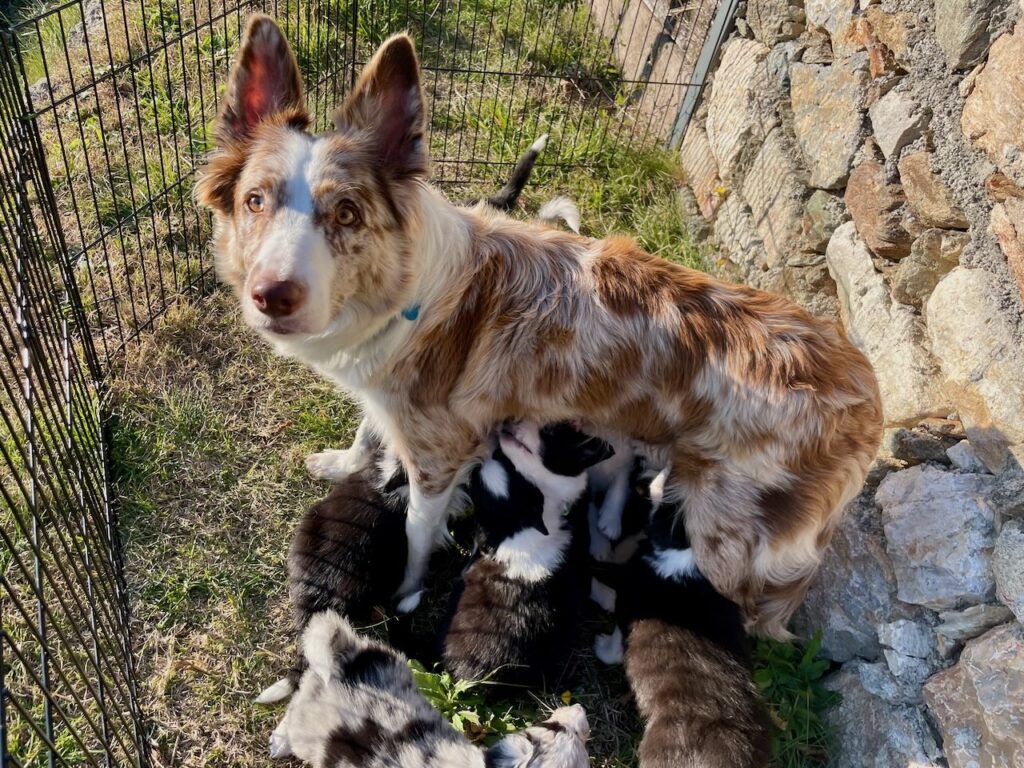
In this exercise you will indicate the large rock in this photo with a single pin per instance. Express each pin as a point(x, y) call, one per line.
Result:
point(939, 532)
point(700, 169)
point(773, 21)
point(890, 334)
point(828, 117)
point(854, 590)
point(979, 703)
point(974, 339)
point(913, 446)
point(822, 214)
point(775, 188)
point(806, 280)
point(963, 29)
point(893, 30)
point(958, 626)
point(869, 732)
point(993, 117)
point(1007, 225)
point(933, 255)
point(736, 233)
point(834, 16)
point(963, 456)
point(1008, 566)
point(897, 120)
point(874, 205)
point(738, 119)
point(927, 195)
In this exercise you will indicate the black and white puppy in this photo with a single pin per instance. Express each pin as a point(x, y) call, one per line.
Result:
point(357, 706)
point(348, 553)
point(518, 602)
point(686, 655)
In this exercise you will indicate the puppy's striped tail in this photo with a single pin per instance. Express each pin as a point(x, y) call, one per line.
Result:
point(559, 209)
point(506, 198)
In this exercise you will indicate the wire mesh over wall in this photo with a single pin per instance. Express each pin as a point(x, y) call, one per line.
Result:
point(106, 110)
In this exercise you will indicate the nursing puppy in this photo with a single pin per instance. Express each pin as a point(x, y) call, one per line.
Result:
point(443, 322)
point(347, 555)
point(357, 706)
point(517, 605)
point(687, 659)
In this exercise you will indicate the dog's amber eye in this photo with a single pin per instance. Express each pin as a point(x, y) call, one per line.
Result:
point(254, 202)
point(347, 215)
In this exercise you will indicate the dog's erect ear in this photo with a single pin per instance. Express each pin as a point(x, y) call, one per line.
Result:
point(387, 101)
point(264, 81)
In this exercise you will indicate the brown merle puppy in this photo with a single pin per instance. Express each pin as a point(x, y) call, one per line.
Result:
point(357, 706)
point(348, 553)
point(517, 604)
point(687, 659)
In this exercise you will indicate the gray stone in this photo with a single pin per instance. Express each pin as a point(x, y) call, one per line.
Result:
point(897, 120)
point(870, 732)
point(957, 626)
point(993, 116)
point(965, 457)
point(979, 703)
point(773, 21)
point(736, 233)
point(934, 254)
point(1008, 494)
point(974, 339)
point(908, 669)
point(738, 120)
point(823, 212)
point(92, 23)
point(878, 680)
point(806, 280)
point(891, 335)
point(939, 533)
point(913, 446)
point(828, 117)
point(911, 638)
point(775, 188)
point(1008, 567)
point(834, 16)
point(854, 590)
point(780, 62)
point(963, 29)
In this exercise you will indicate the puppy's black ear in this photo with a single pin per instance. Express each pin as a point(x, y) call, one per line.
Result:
point(594, 450)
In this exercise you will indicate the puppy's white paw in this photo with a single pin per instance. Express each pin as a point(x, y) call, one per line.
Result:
point(279, 691)
point(410, 603)
point(600, 547)
point(279, 746)
point(602, 594)
point(610, 525)
point(330, 465)
point(608, 648)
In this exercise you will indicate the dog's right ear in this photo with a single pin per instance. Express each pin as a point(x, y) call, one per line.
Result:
point(387, 103)
point(264, 82)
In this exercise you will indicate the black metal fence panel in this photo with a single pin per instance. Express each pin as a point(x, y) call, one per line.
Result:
point(106, 111)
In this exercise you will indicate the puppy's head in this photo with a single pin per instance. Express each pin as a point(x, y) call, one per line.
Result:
point(560, 740)
point(553, 456)
point(313, 232)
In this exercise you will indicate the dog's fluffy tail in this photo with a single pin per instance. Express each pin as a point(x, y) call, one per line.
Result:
point(560, 209)
point(506, 198)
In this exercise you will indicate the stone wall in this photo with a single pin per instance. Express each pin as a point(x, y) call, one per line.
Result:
point(867, 159)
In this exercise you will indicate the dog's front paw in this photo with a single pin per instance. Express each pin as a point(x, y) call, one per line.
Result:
point(610, 525)
point(410, 603)
point(330, 465)
point(608, 648)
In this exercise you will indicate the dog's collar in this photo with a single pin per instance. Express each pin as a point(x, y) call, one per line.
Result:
point(410, 313)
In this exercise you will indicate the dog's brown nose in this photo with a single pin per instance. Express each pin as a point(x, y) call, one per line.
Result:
point(279, 298)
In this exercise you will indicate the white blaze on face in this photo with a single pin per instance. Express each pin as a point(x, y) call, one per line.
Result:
point(292, 246)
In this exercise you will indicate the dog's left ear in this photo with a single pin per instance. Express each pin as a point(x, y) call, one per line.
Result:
point(387, 102)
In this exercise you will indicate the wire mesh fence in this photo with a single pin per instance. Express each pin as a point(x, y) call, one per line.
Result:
point(106, 112)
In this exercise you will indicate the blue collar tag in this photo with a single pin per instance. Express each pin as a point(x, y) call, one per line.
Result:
point(411, 313)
